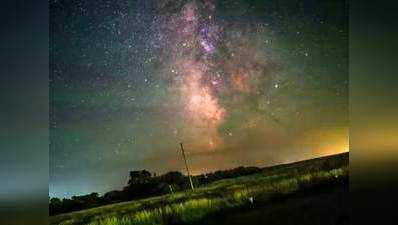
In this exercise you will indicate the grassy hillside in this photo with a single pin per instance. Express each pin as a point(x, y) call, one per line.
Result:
point(220, 196)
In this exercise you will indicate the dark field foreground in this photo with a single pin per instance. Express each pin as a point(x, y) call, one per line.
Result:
point(329, 206)
point(308, 192)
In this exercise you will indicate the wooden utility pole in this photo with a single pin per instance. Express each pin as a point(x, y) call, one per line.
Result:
point(186, 166)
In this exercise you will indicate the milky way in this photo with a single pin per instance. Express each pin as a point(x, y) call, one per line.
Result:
point(195, 38)
point(195, 42)
point(238, 82)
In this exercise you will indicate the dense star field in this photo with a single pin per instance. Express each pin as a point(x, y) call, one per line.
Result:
point(238, 82)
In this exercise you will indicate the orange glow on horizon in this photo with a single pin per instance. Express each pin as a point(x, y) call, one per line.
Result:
point(324, 141)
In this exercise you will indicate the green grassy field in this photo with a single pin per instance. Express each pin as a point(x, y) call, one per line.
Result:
point(220, 197)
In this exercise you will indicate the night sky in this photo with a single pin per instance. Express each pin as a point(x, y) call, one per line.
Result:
point(240, 83)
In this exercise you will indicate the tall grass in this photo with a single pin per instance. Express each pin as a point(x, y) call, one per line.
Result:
point(186, 212)
point(232, 197)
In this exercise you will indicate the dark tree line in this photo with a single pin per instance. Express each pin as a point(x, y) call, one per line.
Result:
point(143, 184)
